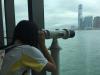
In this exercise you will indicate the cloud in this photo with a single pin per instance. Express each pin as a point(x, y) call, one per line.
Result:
point(65, 11)
point(66, 17)
point(21, 10)
point(62, 13)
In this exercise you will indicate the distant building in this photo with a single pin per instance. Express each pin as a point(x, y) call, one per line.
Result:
point(88, 22)
point(80, 18)
point(96, 22)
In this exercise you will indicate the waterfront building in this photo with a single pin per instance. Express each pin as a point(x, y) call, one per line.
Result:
point(96, 22)
point(88, 22)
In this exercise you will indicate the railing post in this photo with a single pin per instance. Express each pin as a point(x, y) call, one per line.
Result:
point(36, 12)
point(1, 26)
point(1, 34)
point(9, 18)
point(55, 49)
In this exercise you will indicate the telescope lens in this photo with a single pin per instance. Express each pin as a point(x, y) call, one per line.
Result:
point(72, 33)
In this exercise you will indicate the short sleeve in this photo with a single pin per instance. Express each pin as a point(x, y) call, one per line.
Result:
point(33, 58)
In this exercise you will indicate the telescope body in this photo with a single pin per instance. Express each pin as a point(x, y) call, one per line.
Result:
point(64, 33)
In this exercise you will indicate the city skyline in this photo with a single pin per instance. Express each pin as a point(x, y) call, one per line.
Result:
point(59, 12)
point(87, 22)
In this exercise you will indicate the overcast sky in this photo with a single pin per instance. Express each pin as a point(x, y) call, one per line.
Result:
point(60, 12)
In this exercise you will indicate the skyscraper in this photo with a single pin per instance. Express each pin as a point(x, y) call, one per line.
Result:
point(80, 16)
point(96, 22)
point(88, 22)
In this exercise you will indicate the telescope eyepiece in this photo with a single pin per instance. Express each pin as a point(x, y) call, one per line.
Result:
point(72, 33)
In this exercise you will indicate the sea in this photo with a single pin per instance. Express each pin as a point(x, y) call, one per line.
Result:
point(79, 55)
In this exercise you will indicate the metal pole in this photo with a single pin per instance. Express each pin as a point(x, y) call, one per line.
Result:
point(1, 26)
point(9, 18)
point(36, 12)
point(55, 49)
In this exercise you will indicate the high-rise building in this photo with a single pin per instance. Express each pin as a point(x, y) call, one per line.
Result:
point(88, 22)
point(96, 22)
point(80, 16)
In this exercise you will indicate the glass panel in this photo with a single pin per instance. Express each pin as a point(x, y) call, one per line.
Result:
point(80, 55)
point(21, 10)
point(60, 13)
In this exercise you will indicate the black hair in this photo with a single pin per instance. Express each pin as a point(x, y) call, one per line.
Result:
point(27, 32)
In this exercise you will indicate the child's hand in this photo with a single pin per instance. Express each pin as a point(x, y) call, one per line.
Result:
point(41, 39)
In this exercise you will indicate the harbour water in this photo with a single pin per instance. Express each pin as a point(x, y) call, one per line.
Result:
point(80, 55)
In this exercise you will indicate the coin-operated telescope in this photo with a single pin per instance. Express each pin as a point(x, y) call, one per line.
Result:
point(64, 33)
